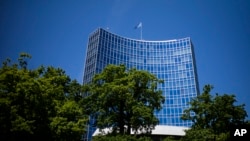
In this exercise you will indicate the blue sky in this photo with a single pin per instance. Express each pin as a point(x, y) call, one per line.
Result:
point(55, 32)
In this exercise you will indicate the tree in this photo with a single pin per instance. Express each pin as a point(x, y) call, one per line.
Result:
point(40, 103)
point(121, 138)
point(124, 100)
point(213, 114)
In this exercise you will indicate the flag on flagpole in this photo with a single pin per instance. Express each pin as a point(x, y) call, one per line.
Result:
point(138, 26)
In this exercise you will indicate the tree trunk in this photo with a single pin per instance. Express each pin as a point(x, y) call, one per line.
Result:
point(129, 129)
point(121, 118)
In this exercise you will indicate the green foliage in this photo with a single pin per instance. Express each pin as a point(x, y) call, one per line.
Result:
point(171, 138)
point(196, 134)
point(41, 103)
point(69, 122)
point(212, 116)
point(124, 100)
point(223, 136)
point(121, 138)
point(199, 135)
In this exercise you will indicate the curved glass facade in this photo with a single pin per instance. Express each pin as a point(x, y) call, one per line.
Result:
point(171, 60)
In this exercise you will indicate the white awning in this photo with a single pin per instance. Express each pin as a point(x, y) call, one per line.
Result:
point(159, 130)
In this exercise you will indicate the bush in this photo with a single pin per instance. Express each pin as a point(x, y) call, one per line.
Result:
point(171, 139)
point(121, 138)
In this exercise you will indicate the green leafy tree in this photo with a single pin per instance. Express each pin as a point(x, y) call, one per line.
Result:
point(213, 116)
point(124, 99)
point(172, 138)
point(198, 134)
point(120, 138)
point(42, 103)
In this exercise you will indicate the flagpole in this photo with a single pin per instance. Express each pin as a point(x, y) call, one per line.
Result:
point(141, 31)
point(139, 26)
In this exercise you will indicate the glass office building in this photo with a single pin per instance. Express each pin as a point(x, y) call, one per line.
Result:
point(170, 60)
